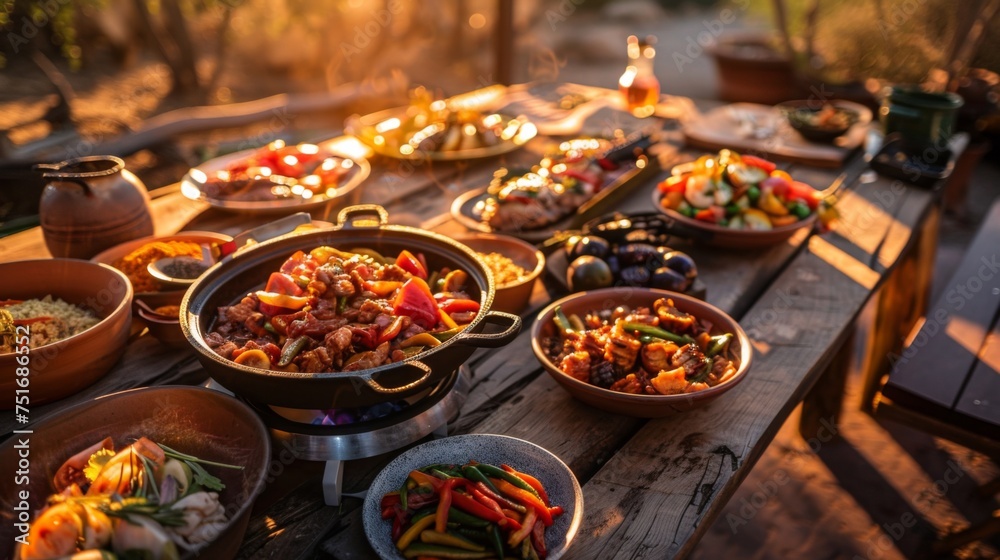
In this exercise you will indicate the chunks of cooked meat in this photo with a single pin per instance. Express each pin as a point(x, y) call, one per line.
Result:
point(622, 349)
point(656, 356)
point(671, 318)
point(576, 365)
point(690, 358)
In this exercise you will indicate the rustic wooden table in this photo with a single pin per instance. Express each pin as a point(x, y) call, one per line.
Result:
point(651, 487)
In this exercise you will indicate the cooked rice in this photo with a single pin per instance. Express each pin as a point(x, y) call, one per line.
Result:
point(504, 270)
point(63, 320)
point(134, 264)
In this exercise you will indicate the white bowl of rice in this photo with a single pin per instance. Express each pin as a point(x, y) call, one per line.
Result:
point(69, 317)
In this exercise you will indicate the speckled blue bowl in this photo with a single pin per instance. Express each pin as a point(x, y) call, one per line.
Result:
point(562, 487)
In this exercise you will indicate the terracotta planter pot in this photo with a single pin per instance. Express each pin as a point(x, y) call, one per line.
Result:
point(751, 70)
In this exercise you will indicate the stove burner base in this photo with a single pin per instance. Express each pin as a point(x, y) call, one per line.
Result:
point(333, 476)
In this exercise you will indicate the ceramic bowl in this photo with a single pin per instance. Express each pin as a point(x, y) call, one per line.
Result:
point(165, 329)
point(515, 296)
point(64, 367)
point(193, 420)
point(166, 296)
point(643, 406)
point(719, 236)
point(558, 480)
point(796, 113)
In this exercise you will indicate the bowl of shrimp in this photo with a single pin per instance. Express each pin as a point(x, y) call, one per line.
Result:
point(641, 351)
point(165, 472)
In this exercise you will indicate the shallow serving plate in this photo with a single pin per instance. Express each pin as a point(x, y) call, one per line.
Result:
point(618, 183)
point(718, 236)
point(363, 128)
point(643, 406)
point(191, 185)
point(559, 481)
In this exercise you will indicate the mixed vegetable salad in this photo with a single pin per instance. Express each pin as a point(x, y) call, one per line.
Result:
point(741, 192)
point(474, 510)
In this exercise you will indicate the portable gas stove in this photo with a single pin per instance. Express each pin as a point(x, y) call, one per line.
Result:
point(336, 436)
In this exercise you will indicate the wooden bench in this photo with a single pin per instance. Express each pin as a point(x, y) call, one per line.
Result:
point(946, 381)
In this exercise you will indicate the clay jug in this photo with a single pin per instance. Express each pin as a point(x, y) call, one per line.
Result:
point(90, 204)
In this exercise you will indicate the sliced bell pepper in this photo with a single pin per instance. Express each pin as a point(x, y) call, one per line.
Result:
point(462, 518)
point(282, 300)
point(452, 305)
point(450, 539)
point(389, 500)
point(496, 540)
point(415, 300)
point(713, 214)
point(391, 331)
point(445, 335)
point(425, 550)
point(486, 501)
point(454, 281)
point(382, 288)
point(496, 497)
point(516, 537)
point(674, 183)
point(470, 505)
point(444, 503)
point(411, 264)
point(769, 203)
point(538, 540)
point(424, 478)
point(496, 472)
point(446, 319)
point(760, 163)
point(422, 339)
point(526, 498)
point(532, 481)
point(414, 531)
point(280, 283)
point(806, 193)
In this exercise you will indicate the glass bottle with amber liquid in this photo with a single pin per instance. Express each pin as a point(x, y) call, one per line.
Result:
point(638, 84)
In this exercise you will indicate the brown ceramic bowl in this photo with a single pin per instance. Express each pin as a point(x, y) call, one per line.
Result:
point(166, 296)
point(643, 406)
point(67, 366)
point(192, 420)
point(718, 236)
point(512, 297)
point(165, 329)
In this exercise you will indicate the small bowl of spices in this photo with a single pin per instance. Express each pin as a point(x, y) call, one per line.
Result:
point(133, 259)
point(515, 264)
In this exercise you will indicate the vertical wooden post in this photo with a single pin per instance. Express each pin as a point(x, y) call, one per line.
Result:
point(821, 407)
point(900, 304)
point(504, 48)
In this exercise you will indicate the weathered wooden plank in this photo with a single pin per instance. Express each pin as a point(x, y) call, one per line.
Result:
point(932, 370)
point(980, 399)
